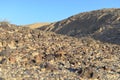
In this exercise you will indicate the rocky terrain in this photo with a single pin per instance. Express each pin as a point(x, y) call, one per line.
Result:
point(33, 54)
point(103, 25)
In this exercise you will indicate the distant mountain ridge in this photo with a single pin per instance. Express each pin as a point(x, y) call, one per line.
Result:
point(101, 24)
point(37, 25)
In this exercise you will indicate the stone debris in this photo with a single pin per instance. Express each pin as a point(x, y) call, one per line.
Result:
point(27, 54)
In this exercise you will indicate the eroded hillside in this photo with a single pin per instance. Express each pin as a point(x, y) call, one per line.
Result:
point(103, 25)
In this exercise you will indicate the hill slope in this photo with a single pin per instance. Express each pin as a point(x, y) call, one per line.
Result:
point(36, 25)
point(102, 25)
point(27, 54)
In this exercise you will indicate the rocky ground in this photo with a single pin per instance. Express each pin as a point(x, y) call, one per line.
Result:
point(27, 54)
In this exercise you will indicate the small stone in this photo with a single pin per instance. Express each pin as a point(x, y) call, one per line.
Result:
point(1, 44)
point(2, 60)
point(2, 78)
point(12, 59)
point(12, 45)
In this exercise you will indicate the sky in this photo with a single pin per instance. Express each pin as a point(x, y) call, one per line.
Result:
point(24, 12)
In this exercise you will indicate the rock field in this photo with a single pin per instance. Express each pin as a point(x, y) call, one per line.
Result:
point(27, 54)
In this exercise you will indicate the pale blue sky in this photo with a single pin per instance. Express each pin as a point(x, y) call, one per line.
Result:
point(32, 11)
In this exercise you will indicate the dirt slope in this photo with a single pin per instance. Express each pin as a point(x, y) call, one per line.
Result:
point(36, 25)
point(103, 25)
